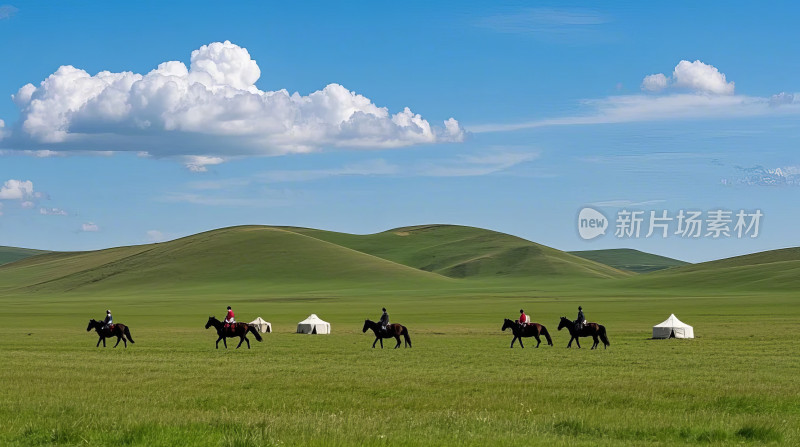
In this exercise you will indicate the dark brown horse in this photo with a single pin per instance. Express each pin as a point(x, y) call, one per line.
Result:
point(115, 330)
point(392, 331)
point(593, 330)
point(530, 330)
point(233, 330)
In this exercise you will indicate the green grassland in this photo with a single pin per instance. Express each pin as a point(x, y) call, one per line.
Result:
point(11, 254)
point(630, 260)
point(459, 385)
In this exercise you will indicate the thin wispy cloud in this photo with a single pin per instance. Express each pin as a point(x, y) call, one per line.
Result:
point(761, 176)
point(694, 91)
point(7, 11)
point(624, 203)
point(561, 24)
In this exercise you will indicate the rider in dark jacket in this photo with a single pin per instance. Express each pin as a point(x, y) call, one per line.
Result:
point(109, 320)
point(384, 321)
point(580, 320)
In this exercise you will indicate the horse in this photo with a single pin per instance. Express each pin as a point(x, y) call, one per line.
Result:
point(593, 330)
point(115, 330)
point(392, 331)
point(234, 330)
point(530, 330)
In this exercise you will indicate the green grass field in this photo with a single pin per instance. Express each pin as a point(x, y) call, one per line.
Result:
point(735, 384)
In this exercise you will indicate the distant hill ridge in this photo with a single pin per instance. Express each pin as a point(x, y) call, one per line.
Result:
point(12, 254)
point(768, 270)
point(630, 260)
point(252, 258)
point(262, 256)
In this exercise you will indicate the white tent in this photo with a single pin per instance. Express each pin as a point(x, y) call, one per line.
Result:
point(672, 327)
point(261, 325)
point(313, 325)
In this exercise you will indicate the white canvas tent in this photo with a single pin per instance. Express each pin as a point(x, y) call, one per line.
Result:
point(261, 325)
point(313, 325)
point(672, 327)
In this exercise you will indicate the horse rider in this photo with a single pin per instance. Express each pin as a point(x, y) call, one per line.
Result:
point(108, 321)
point(581, 319)
point(229, 320)
point(523, 319)
point(384, 321)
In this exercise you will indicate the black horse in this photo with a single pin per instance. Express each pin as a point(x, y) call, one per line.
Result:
point(530, 330)
point(233, 330)
point(392, 331)
point(593, 330)
point(115, 330)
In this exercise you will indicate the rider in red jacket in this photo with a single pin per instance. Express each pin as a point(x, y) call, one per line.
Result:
point(229, 318)
point(523, 319)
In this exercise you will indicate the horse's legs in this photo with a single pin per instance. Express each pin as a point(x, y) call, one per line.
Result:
point(241, 339)
point(569, 345)
point(397, 337)
point(104, 342)
point(118, 339)
point(225, 342)
point(373, 343)
point(98, 342)
point(596, 341)
point(578, 342)
point(381, 342)
point(513, 340)
point(538, 341)
point(520, 343)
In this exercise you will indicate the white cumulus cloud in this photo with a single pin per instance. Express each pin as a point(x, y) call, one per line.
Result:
point(17, 190)
point(90, 227)
point(655, 82)
point(155, 236)
point(210, 109)
point(52, 212)
point(198, 163)
point(694, 76)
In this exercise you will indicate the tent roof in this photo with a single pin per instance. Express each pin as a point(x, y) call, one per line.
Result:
point(259, 320)
point(313, 319)
point(672, 321)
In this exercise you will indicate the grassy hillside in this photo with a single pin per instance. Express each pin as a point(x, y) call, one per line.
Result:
point(11, 254)
point(237, 258)
point(629, 259)
point(467, 252)
point(735, 384)
point(769, 270)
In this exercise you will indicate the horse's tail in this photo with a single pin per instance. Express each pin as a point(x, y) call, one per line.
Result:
point(603, 336)
point(547, 336)
point(128, 334)
point(255, 332)
point(405, 335)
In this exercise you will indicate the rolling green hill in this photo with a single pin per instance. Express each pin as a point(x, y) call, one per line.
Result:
point(11, 254)
point(467, 252)
point(227, 259)
point(631, 260)
point(769, 270)
point(257, 257)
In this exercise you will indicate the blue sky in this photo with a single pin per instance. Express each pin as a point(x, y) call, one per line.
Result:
point(519, 115)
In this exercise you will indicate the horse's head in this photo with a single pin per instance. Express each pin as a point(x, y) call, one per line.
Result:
point(508, 324)
point(366, 325)
point(92, 324)
point(564, 323)
point(211, 321)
